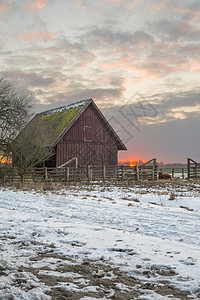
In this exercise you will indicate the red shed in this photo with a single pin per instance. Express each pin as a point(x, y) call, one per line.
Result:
point(82, 134)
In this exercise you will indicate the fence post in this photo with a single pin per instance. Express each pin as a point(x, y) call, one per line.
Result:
point(104, 172)
point(154, 170)
point(188, 168)
point(183, 175)
point(137, 177)
point(196, 171)
point(172, 172)
point(22, 179)
point(45, 174)
point(122, 172)
point(67, 174)
point(89, 172)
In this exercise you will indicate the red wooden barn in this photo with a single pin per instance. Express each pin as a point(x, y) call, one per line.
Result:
point(81, 134)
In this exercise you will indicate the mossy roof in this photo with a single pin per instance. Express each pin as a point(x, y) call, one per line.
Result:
point(56, 120)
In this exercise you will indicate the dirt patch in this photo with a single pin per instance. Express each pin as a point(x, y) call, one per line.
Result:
point(97, 279)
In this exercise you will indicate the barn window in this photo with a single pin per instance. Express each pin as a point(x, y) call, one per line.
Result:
point(87, 133)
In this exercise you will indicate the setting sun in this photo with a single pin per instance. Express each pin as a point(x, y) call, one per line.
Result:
point(131, 162)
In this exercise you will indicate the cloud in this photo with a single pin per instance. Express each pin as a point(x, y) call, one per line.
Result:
point(85, 58)
point(158, 108)
point(164, 133)
point(81, 5)
point(129, 4)
point(101, 96)
point(169, 105)
point(34, 5)
point(110, 38)
point(30, 79)
point(161, 64)
point(196, 15)
point(62, 71)
point(132, 4)
point(116, 1)
point(161, 5)
point(118, 62)
point(191, 11)
point(74, 53)
point(5, 6)
point(22, 61)
point(150, 55)
point(191, 50)
point(175, 30)
point(35, 35)
point(151, 68)
point(93, 57)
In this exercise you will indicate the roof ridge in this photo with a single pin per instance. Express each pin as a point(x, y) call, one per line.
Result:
point(64, 108)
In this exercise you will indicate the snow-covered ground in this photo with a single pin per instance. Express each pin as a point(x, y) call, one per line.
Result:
point(101, 242)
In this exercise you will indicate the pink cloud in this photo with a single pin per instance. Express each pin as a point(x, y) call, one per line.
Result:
point(115, 1)
point(5, 6)
point(35, 5)
point(196, 15)
point(87, 58)
point(192, 50)
point(161, 5)
point(154, 70)
point(150, 68)
point(132, 4)
point(34, 35)
point(81, 5)
point(179, 9)
point(175, 6)
point(119, 62)
point(196, 65)
point(129, 4)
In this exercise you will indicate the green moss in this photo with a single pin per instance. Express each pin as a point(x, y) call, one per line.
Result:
point(58, 121)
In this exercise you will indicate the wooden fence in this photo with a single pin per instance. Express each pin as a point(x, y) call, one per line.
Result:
point(9, 175)
point(175, 172)
point(193, 169)
point(147, 171)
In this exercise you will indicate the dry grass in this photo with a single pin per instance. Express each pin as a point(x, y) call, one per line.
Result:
point(172, 187)
point(172, 196)
point(187, 208)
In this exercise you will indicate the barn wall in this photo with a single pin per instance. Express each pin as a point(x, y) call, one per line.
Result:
point(89, 140)
point(94, 154)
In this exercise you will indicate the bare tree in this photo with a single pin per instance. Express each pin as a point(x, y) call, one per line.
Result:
point(28, 144)
point(15, 109)
point(32, 146)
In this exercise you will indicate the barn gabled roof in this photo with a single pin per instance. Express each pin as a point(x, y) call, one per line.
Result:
point(60, 120)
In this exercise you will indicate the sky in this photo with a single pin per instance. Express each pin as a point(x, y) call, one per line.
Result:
point(138, 60)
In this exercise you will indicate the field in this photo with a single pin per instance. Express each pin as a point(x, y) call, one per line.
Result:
point(101, 242)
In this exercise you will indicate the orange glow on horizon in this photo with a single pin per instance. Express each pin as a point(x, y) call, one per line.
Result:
point(5, 160)
point(132, 162)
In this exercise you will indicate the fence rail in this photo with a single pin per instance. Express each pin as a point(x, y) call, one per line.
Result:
point(10, 175)
point(148, 171)
point(175, 172)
